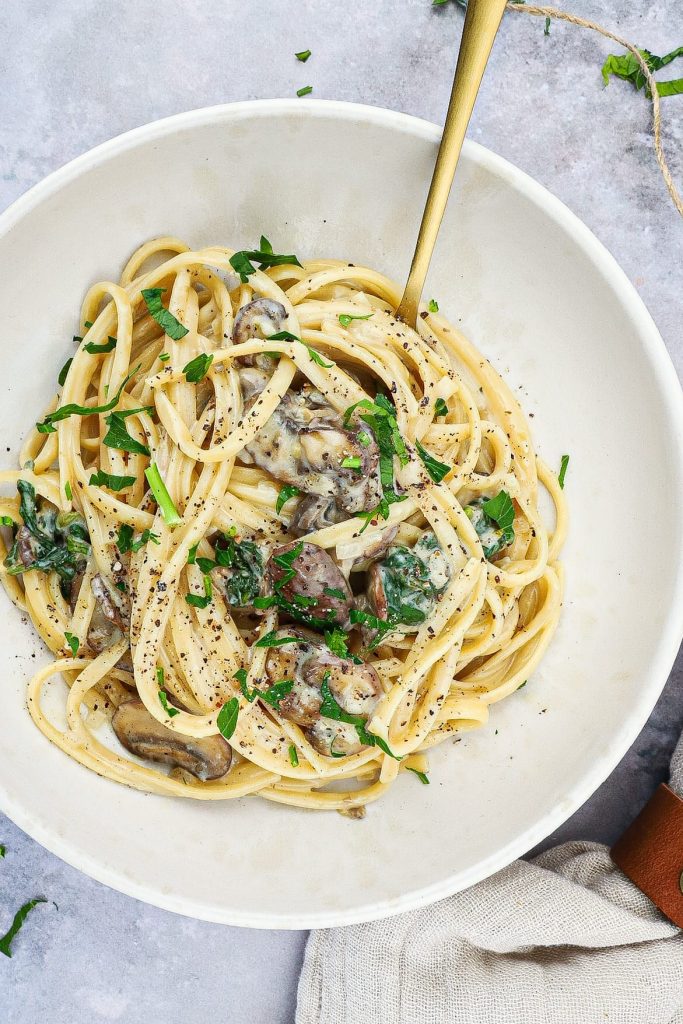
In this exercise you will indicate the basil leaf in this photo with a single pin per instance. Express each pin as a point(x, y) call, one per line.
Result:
point(227, 717)
point(271, 640)
point(305, 90)
point(168, 708)
point(421, 776)
point(110, 480)
point(163, 498)
point(198, 368)
point(563, 470)
point(287, 492)
point(15, 927)
point(626, 67)
point(303, 55)
point(172, 327)
point(64, 371)
point(440, 408)
point(117, 435)
point(437, 470)
point(346, 318)
point(433, 306)
point(241, 262)
point(73, 642)
point(293, 756)
point(96, 350)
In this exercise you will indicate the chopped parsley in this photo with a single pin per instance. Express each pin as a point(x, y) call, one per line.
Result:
point(110, 480)
point(73, 642)
point(163, 698)
point(227, 717)
point(170, 325)
point(68, 491)
point(380, 416)
point(96, 350)
point(198, 601)
point(316, 357)
point(334, 592)
point(164, 357)
point(192, 554)
point(493, 521)
point(117, 435)
point(293, 756)
point(305, 90)
point(563, 471)
point(437, 470)
point(198, 368)
point(125, 542)
point(273, 695)
point(15, 927)
point(64, 371)
point(245, 562)
point(242, 262)
point(303, 55)
point(433, 307)
point(346, 318)
point(272, 640)
point(162, 497)
point(440, 408)
point(351, 462)
point(287, 492)
point(71, 409)
point(421, 775)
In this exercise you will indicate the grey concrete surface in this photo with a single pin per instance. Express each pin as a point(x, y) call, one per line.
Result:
point(76, 72)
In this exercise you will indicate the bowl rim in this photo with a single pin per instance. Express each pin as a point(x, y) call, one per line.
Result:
point(669, 389)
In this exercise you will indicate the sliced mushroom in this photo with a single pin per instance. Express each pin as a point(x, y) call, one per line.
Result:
point(375, 548)
point(355, 688)
point(206, 758)
point(109, 621)
point(315, 513)
point(318, 591)
point(258, 319)
point(304, 443)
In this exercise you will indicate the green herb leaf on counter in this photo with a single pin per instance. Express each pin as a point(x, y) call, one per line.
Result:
point(563, 471)
point(287, 492)
point(242, 262)
point(162, 497)
point(3, 850)
point(73, 642)
point(166, 320)
point(227, 717)
point(110, 480)
point(626, 67)
point(305, 90)
point(437, 470)
point(168, 708)
point(303, 55)
point(15, 927)
point(546, 28)
point(198, 368)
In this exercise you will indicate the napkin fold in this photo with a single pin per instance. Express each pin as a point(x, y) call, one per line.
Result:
point(564, 938)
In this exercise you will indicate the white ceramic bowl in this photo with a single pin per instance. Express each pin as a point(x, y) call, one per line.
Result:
point(545, 301)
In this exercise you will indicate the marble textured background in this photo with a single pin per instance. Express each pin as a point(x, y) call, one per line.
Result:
point(76, 72)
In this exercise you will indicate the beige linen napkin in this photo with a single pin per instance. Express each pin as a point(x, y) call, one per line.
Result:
point(562, 939)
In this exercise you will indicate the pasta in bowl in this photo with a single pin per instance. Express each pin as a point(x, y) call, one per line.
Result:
point(282, 542)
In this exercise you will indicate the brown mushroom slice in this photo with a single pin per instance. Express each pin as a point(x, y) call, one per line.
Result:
point(355, 688)
point(258, 319)
point(206, 758)
point(375, 548)
point(315, 513)
point(318, 591)
point(325, 448)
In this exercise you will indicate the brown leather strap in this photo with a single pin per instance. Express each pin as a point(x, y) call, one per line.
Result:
point(650, 852)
